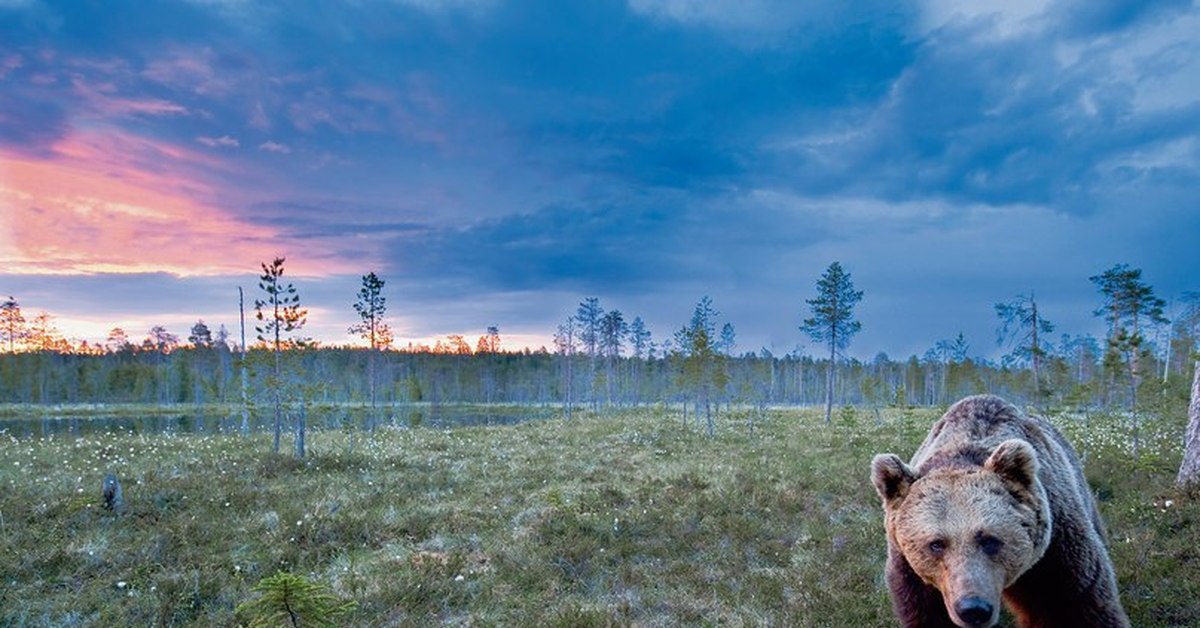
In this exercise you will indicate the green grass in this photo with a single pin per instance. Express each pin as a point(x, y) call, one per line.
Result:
point(601, 521)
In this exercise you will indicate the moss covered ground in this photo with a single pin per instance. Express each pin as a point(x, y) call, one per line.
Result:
point(627, 518)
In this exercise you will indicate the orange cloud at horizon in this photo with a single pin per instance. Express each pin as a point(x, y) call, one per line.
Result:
point(111, 202)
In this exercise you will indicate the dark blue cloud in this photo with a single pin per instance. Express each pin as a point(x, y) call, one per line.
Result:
point(996, 121)
point(615, 247)
point(331, 219)
point(557, 247)
point(141, 294)
point(105, 28)
point(30, 122)
point(1084, 18)
point(620, 147)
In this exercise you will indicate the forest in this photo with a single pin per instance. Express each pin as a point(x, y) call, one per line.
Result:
point(601, 361)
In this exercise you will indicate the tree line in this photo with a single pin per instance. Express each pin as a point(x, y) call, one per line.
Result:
point(602, 358)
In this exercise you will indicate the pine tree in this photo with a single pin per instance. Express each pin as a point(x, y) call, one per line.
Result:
point(1025, 329)
point(639, 338)
point(959, 349)
point(588, 317)
point(371, 307)
point(1129, 305)
point(201, 339)
point(118, 341)
point(290, 600)
point(728, 339)
point(43, 335)
point(489, 342)
point(201, 336)
point(278, 314)
point(161, 340)
point(833, 321)
point(702, 372)
point(565, 344)
point(12, 324)
point(613, 330)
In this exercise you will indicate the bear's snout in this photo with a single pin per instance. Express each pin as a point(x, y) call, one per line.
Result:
point(975, 611)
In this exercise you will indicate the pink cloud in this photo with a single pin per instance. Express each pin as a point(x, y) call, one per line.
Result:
point(189, 70)
point(9, 63)
point(101, 99)
point(223, 141)
point(152, 107)
point(258, 118)
point(274, 147)
point(111, 66)
point(372, 108)
point(109, 201)
point(321, 107)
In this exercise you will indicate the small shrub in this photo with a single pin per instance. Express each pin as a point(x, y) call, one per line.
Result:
point(289, 599)
point(848, 417)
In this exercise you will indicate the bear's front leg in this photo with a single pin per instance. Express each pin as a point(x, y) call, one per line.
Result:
point(917, 604)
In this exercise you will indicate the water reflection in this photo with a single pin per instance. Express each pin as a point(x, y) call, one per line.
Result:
point(429, 417)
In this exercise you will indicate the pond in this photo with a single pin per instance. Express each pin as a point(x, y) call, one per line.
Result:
point(438, 417)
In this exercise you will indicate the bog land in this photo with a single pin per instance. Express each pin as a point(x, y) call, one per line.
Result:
point(625, 518)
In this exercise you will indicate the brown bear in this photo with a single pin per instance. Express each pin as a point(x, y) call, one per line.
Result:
point(994, 506)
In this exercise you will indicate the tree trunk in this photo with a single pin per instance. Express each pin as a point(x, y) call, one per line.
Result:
point(570, 382)
point(771, 390)
point(301, 425)
point(245, 395)
point(1134, 380)
point(197, 389)
point(1167, 359)
point(800, 381)
point(1189, 469)
point(371, 358)
point(829, 385)
point(942, 395)
point(278, 402)
point(1037, 371)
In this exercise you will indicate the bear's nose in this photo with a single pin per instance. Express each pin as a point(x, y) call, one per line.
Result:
point(976, 611)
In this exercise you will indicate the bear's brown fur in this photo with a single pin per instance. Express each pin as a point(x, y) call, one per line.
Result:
point(993, 506)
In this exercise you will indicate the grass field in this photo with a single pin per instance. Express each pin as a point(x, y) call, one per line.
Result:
point(605, 520)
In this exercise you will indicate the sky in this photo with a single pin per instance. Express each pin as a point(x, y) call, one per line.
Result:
point(497, 161)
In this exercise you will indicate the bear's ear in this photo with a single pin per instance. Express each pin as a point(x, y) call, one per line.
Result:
point(1014, 461)
point(891, 477)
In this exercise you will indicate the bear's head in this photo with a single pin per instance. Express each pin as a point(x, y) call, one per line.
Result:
point(970, 531)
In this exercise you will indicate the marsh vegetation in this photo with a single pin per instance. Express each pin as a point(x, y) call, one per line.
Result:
point(625, 518)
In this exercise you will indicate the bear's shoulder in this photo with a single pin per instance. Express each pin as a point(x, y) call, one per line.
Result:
point(970, 430)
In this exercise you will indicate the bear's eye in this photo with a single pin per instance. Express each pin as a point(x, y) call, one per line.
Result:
point(937, 546)
point(990, 544)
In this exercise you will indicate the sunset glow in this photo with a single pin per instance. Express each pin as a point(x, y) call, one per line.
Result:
point(91, 208)
point(497, 162)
